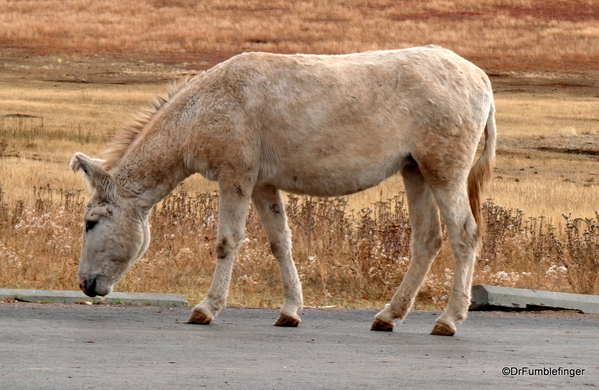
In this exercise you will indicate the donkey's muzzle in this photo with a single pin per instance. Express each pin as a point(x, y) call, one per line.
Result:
point(88, 286)
point(93, 286)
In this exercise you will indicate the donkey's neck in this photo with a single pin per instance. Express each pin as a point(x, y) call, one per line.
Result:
point(153, 166)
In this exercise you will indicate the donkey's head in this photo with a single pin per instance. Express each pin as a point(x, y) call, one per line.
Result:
point(116, 229)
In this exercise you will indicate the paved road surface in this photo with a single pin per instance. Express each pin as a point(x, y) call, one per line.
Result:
point(112, 347)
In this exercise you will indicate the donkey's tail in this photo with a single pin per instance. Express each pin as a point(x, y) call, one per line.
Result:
point(482, 170)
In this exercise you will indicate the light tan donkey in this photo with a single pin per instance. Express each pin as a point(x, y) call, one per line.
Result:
point(308, 124)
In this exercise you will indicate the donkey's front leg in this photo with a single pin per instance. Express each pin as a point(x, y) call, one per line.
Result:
point(233, 207)
point(271, 209)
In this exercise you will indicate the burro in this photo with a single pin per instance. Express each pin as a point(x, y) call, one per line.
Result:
point(323, 125)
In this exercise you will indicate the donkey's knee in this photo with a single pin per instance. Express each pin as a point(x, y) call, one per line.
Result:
point(280, 247)
point(227, 246)
point(428, 247)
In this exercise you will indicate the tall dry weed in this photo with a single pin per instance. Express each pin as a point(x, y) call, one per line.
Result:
point(583, 246)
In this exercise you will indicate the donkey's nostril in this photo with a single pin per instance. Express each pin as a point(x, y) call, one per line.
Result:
point(89, 286)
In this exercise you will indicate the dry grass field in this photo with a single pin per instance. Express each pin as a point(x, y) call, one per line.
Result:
point(73, 72)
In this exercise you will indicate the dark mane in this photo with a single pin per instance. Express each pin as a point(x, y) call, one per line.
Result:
point(129, 133)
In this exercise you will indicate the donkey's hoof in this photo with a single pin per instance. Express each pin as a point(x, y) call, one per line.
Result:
point(200, 316)
point(382, 326)
point(288, 321)
point(442, 329)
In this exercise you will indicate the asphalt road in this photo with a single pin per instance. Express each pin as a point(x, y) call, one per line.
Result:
point(127, 347)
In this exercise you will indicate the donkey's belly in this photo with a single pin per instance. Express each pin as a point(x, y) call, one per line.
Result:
point(334, 180)
point(324, 187)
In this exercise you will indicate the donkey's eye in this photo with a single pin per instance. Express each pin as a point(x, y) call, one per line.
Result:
point(89, 225)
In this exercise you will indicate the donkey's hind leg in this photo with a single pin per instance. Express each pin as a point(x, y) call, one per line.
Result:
point(425, 245)
point(464, 239)
point(270, 207)
point(232, 213)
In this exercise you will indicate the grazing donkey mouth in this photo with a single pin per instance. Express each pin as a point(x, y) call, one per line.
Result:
point(94, 285)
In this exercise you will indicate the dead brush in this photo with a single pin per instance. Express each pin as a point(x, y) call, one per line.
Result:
point(531, 253)
point(583, 250)
point(39, 245)
point(345, 258)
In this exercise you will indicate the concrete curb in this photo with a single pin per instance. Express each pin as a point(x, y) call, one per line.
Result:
point(484, 297)
point(115, 298)
point(488, 297)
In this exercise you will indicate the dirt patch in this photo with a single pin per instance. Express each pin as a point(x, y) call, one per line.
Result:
point(554, 10)
point(452, 16)
point(587, 152)
point(583, 84)
point(583, 146)
point(77, 68)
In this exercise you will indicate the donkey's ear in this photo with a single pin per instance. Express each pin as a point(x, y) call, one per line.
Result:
point(94, 173)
